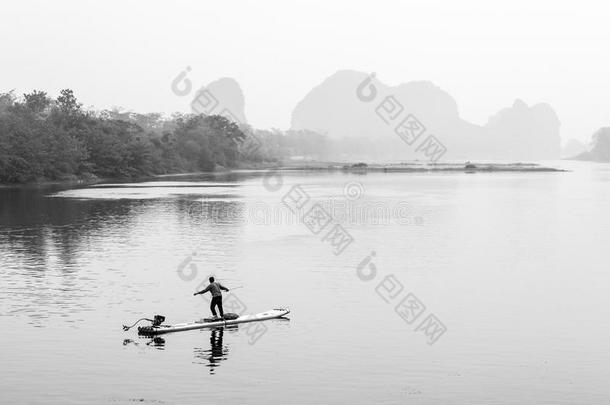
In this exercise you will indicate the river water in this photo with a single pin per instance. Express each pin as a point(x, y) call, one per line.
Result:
point(427, 288)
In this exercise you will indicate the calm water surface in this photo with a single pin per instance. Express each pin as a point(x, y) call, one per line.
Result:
point(514, 265)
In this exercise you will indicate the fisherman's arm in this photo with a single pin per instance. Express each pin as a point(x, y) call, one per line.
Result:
point(222, 287)
point(205, 290)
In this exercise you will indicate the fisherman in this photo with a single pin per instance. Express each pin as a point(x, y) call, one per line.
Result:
point(215, 289)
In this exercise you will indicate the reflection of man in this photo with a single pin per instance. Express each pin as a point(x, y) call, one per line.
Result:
point(216, 345)
point(217, 352)
point(216, 290)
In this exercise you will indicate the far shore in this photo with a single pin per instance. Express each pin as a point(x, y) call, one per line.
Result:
point(406, 167)
point(420, 166)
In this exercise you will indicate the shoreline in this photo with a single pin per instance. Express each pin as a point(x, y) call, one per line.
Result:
point(407, 167)
point(418, 167)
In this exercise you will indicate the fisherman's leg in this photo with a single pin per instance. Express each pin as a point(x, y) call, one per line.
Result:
point(212, 305)
point(220, 307)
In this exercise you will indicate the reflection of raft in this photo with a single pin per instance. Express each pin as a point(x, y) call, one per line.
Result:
point(161, 329)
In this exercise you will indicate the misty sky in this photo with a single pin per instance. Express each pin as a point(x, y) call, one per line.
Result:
point(484, 53)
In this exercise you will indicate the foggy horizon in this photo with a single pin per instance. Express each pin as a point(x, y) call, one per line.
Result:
point(526, 53)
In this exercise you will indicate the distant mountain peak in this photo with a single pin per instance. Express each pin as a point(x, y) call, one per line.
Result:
point(519, 104)
point(516, 132)
point(222, 96)
point(600, 147)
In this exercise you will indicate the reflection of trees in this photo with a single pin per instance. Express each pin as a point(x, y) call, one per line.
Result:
point(53, 250)
point(37, 226)
point(42, 237)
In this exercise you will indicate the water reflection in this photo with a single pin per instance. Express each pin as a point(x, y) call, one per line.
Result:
point(156, 342)
point(217, 352)
point(60, 245)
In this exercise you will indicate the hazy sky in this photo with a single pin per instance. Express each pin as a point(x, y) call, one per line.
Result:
point(484, 53)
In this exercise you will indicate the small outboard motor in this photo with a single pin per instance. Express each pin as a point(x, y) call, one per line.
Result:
point(147, 330)
point(158, 320)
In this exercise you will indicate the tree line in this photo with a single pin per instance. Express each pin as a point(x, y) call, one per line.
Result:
point(42, 138)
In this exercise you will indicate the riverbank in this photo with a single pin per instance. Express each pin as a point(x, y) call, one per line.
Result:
point(468, 167)
point(405, 167)
point(84, 179)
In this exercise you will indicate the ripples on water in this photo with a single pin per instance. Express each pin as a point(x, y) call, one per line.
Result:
point(514, 264)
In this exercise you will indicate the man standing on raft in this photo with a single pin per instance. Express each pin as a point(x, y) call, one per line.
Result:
point(215, 289)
